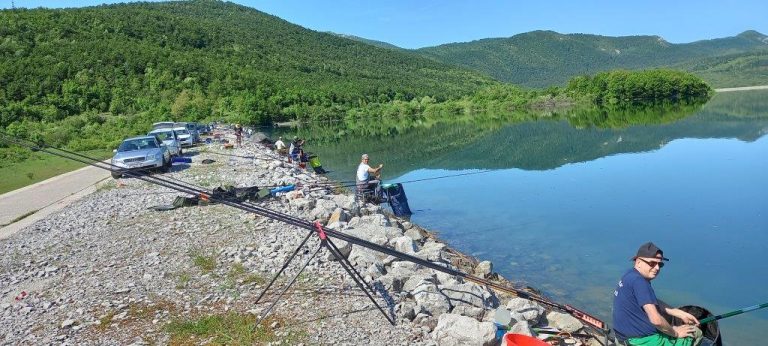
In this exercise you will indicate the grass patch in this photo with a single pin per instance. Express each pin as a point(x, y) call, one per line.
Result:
point(22, 217)
point(230, 329)
point(254, 278)
point(236, 271)
point(39, 167)
point(106, 321)
point(106, 186)
point(206, 263)
point(183, 280)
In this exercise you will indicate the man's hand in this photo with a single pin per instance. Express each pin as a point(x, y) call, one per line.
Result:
point(684, 316)
point(684, 331)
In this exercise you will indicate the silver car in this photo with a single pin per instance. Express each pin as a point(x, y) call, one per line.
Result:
point(168, 137)
point(140, 153)
point(185, 139)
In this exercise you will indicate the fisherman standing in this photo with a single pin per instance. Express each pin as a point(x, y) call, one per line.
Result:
point(636, 316)
point(239, 135)
point(364, 179)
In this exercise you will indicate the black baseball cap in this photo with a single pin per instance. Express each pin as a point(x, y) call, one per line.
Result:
point(649, 250)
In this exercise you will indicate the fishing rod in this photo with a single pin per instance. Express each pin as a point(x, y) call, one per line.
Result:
point(350, 183)
point(732, 313)
point(592, 321)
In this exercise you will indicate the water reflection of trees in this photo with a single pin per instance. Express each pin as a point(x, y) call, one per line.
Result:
point(522, 140)
point(623, 117)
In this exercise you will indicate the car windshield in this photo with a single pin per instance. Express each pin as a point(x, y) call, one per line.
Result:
point(137, 144)
point(181, 132)
point(163, 135)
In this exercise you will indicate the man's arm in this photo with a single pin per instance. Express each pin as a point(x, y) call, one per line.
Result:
point(684, 316)
point(663, 326)
point(375, 170)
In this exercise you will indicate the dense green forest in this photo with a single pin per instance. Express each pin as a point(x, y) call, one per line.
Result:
point(188, 59)
point(546, 58)
point(85, 78)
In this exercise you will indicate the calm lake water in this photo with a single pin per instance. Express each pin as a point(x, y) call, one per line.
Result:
point(562, 203)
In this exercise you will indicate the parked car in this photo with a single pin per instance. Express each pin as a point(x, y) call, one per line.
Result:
point(183, 136)
point(168, 137)
point(192, 128)
point(163, 125)
point(203, 129)
point(140, 153)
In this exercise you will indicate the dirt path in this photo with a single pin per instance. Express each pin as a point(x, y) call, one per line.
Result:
point(34, 202)
point(756, 87)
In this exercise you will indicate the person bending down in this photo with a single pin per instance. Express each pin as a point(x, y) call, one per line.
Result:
point(636, 311)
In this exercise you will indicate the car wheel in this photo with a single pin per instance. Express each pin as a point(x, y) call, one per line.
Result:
point(166, 166)
point(116, 175)
point(180, 152)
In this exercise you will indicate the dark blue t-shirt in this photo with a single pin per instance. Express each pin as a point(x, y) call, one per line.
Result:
point(629, 318)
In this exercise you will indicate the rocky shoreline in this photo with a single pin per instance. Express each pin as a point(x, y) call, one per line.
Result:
point(107, 270)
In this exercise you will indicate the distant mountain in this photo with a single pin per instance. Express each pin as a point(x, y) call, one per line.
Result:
point(375, 43)
point(544, 58)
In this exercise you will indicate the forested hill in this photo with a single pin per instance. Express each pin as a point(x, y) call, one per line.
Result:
point(369, 41)
point(544, 58)
point(198, 59)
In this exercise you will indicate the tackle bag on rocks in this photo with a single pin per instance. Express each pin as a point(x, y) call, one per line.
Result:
point(395, 195)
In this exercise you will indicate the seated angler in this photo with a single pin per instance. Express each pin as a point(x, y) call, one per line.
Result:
point(280, 146)
point(368, 179)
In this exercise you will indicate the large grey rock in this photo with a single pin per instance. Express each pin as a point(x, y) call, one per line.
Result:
point(406, 310)
point(367, 232)
point(345, 201)
point(338, 215)
point(302, 204)
point(396, 278)
point(322, 210)
point(484, 269)
point(403, 244)
point(432, 251)
point(446, 279)
point(429, 297)
point(521, 327)
point(467, 299)
point(525, 310)
point(564, 322)
point(406, 265)
point(455, 330)
point(414, 234)
point(373, 219)
point(416, 280)
point(345, 248)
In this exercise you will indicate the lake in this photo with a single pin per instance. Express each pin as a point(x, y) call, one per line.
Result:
point(561, 203)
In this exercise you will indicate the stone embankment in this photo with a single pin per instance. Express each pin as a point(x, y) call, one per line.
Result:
point(107, 270)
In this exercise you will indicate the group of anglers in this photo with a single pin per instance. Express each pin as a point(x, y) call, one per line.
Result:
point(639, 317)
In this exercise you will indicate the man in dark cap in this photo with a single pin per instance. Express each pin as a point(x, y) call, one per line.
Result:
point(636, 311)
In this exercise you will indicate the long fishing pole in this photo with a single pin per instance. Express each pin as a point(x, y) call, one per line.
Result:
point(733, 313)
point(590, 320)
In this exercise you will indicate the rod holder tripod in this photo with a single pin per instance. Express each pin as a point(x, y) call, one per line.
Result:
point(325, 242)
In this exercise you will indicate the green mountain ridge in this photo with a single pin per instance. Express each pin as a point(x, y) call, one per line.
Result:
point(545, 58)
point(190, 59)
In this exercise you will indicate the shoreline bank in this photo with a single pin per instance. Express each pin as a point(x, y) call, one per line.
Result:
point(108, 270)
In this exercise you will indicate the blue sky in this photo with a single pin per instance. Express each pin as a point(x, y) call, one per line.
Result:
point(415, 24)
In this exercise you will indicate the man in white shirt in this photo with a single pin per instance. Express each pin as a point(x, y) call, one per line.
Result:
point(364, 178)
point(280, 146)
